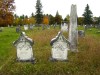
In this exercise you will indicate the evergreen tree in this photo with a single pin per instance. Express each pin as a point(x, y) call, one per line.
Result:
point(32, 15)
point(58, 18)
point(87, 15)
point(39, 15)
point(67, 19)
point(51, 19)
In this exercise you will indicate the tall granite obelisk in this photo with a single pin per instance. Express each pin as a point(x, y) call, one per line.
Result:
point(73, 32)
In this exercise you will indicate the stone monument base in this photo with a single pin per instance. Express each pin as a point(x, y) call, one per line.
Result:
point(29, 60)
point(56, 60)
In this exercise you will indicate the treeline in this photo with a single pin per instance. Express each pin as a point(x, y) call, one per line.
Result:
point(47, 19)
point(7, 17)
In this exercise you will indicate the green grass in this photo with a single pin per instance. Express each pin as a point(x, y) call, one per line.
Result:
point(85, 62)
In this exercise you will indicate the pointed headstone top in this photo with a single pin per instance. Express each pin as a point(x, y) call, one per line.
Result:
point(24, 38)
point(59, 37)
point(24, 48)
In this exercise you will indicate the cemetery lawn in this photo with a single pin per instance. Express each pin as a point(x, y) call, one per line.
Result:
point(85, 62)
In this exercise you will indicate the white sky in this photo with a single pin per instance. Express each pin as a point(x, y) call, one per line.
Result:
point(26, 7)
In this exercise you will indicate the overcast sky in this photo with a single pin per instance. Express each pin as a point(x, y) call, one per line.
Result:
point(26, 7)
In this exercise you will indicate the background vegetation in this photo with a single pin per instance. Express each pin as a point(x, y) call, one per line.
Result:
point(7, 16)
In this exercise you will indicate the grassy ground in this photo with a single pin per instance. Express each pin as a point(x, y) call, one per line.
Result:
point(85, 62)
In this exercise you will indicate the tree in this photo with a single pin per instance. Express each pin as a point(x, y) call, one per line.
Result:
point(95, 21)
point(21, 18)
point(39, 15)
point(45, 20)
point(51, 19)
point(17, 21)
point(58, 18)
point(80, 20)
point(32, 15)
point(6, 12)
point(87, 15)
point(26, 20)
point(67, 19)
point(32, 20)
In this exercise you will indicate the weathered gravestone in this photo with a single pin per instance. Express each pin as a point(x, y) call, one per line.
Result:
point(0, 29)
point(48, 26)
point(24, 48)
point(55, 25)
point(59, 48)
point(81, 33)
point(25, 27)
point(64, 27)
point(8, 25)
point(31, 26)
point(98, 26)
point(85, 27)
point(73, 32)
point(18, 29)
point(12, 26)
point(43, 26)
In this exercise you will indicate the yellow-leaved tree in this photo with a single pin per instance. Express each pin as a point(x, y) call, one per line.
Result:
point(32, 20)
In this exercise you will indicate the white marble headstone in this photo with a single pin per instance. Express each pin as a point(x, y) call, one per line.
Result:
point(8, 25)
point(25, 27)
point(0, 29)
point(31, 26)
point(59, 48)
point(64, 27)
point(24, 48)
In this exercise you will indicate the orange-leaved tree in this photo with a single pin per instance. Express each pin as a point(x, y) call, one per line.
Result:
point(6, 12)
point(45, 20)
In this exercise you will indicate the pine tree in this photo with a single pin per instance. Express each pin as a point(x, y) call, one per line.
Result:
point(67, 19)
point(58, 18)
point(87, 16)
point(51, 19)
point(39, 15)
point(32, 15)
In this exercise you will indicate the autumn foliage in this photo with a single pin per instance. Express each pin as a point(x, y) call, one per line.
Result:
point(45, 20)
point(6, 12)
point(32, 20)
